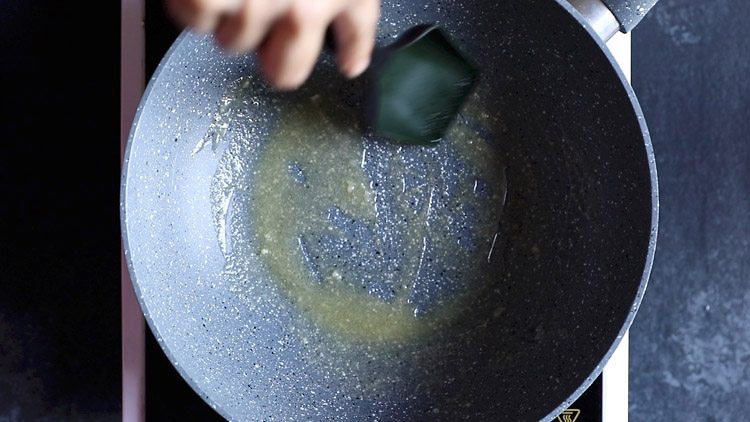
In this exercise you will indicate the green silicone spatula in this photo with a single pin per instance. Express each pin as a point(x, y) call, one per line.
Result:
point(417, 86)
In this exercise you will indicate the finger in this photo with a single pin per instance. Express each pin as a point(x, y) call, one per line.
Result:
point(294, 43)
point(201, 15)
point(181, 11)
point(289, 54)
point(245, 30)
point(355, 30)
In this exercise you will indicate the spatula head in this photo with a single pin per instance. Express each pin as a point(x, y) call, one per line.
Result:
point(418, 86)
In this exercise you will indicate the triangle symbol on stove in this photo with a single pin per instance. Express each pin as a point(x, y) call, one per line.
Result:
point(569, 415)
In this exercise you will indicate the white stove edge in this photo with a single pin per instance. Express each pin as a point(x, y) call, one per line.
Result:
point(132, 84)
point(615, 374)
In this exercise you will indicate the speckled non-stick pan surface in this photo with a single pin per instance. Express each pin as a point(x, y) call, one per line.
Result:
point(488, 278)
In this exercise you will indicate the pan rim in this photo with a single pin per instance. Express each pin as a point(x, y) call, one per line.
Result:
point(649, 259)
point(125, 238)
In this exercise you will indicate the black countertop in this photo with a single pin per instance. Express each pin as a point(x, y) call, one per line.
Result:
point(59, 225)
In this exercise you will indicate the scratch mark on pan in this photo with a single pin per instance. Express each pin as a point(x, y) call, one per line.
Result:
point(492, 248)
point(421, 261)
point(502, 208)
point(429, 207)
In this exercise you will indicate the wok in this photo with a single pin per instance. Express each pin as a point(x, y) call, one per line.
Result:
point(573, 207)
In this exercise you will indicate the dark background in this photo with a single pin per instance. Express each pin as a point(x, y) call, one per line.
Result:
point(59, 226)
point(59, 245)
point(690, 343)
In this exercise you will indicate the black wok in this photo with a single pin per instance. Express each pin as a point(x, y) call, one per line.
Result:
point(575, 197)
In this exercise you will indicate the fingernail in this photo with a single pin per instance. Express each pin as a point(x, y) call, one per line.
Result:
point(357, 68)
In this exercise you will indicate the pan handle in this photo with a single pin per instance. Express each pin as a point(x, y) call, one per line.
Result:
point(629, 12)
point(609, 16)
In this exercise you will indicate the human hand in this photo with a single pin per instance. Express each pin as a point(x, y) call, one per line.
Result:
point(287, 34)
